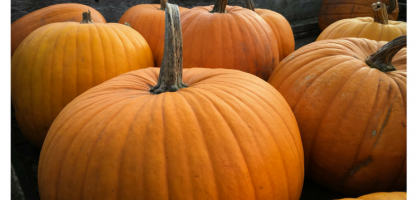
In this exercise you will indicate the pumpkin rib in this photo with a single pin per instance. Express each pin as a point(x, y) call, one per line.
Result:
point(122, 44)
point(102, 47)
point(209, 153)
point(31, 81)
point(201, 94)
point(235, 138)
point(316, 78)
point(368, 121)
point(203, 138)
point(295, 149)
point(325, 112)
point(264, 125)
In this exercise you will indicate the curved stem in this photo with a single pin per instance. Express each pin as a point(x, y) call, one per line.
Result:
point(381, 59)
point(219, 6)
point(86, 18)
point(391, 7)
point(170, 76)
point(163, 4)
point(380, 13)
point(250, 4)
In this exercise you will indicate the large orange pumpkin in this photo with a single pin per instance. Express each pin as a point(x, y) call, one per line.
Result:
point(281, 29)
point(219, 134)
point(230, 37)
point(374, 28)
point(149, 21)
point(334, 10)
point(22, 27)
point(352, 117)
point(59, 61)
point(381, 196)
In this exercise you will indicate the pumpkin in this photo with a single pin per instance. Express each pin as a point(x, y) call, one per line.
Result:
point(22, 27)
point(149, 21)
point(334, 10)
point(230, 37)
point(59, 61)
point(351, 111)
point(219, 134)
point(281, 29)
point(381, 196)
point(378, 28)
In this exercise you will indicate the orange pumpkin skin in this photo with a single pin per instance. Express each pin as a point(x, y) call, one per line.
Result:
point(382, 196)
point(149, 21)
point(364, 27)
point(352, 118)
point(239, 39)
point(281, 29)
point(334, 10)
point(229, 135)
point(22, 27)
point(59, 61)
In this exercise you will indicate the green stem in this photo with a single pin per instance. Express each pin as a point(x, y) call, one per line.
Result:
point(381, 59)
point(170, 76)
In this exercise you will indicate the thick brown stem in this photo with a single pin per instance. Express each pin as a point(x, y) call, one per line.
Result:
point(219, 6)
point(381, 59)
point(86, 18)
point(250, 4)
point(391, 7)
point(170, 76)
point(163, 4)
point(380, 13)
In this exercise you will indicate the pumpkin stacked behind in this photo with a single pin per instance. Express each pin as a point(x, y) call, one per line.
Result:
point(149, 21)
point(59, 61)
point(22, 27)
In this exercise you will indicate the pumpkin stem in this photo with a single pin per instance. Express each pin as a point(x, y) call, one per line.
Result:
point(381, 59)
point(170, 76)
point(391, 7)
point(250, 4)
point(163, 4)
point(127, 24)
point(86, 17)
point(219, 6)
point(380, 13)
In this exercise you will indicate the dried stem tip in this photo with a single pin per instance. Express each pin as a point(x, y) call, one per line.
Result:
point(381, 59)
point(170, 76)
point(86, 18)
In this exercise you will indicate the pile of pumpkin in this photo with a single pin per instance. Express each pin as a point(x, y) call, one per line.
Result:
point(113, 126)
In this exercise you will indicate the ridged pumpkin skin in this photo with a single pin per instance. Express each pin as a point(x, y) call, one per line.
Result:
point(149, 21)
point(364, 27)
point(239, 39)
point(352, 118)
point(334, 10)
point(229, 135)
point(382, 196)
point(22, 27)
point(281, 29)
point(59, 61)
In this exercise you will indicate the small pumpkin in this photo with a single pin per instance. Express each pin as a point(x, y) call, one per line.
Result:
point(149, 21)
point(59, 61)
point(219, 134)
point(334, 10)
point(349, 99)
point(381, 196)
point(281, 29)
point(229, 37)
point(374, 28)
point(22, 27)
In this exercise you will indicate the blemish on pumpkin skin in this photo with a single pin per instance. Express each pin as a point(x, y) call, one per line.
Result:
point(374, 133)
point(363, 164)
point(403, 124)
